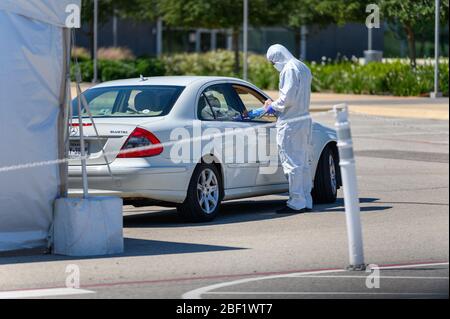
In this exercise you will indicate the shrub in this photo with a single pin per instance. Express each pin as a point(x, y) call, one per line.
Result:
point(219, 63)
point(262, 73)
point(395, 78)
point(114, 70)
point(115, 54)
point(81, 54)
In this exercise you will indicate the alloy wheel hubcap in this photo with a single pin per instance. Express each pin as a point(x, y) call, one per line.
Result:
point(208, 191)
point(333, 179)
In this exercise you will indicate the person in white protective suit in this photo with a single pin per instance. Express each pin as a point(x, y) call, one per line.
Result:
point(294, 126)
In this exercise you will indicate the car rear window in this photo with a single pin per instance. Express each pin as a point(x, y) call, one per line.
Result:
point(130, 101)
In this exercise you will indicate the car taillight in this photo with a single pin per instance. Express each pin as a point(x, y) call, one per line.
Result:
point(145, 143)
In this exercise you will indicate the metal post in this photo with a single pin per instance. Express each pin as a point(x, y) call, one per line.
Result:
point(437, 32)
point(198, 41)
point(229, 40)
point(95, 49)
point(159, 37)
point(115, 38)
point(348, 172)
point(303, 42)
point(370, 41)
point(245, 46)
point(213, 40)
point(83, 153)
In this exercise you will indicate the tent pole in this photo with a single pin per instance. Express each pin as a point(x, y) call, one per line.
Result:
point(64, 117)
point(95, 79)
point(245, 40)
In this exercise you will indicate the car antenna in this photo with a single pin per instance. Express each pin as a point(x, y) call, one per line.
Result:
point(143, 78)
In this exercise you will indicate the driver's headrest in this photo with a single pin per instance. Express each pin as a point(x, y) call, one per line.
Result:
point(143, 101)
point(213, 101)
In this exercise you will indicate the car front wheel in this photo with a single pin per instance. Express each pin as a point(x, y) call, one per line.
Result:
point(204, 195)
point(326, 182)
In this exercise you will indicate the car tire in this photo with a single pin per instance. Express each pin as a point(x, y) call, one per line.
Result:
point(326, 182)
point(204, 195)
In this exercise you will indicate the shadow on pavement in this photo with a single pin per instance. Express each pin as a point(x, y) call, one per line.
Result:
point(237, 212)
point(338, 207)
point(231, 212)
point(133, 248)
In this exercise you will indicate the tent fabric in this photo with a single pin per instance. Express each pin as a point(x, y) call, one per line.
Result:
point(31, 75)
point(48, 11)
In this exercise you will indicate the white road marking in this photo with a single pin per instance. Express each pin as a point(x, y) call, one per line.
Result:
point(337, 293)
point(197, 293)
point(411, 266)
point(43, 293)
point(380, 277)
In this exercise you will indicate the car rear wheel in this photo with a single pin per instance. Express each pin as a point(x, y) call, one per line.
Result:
point(204, 195)
point(326, 182)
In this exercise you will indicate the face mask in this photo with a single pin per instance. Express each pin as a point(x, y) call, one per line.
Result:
point(278, 66)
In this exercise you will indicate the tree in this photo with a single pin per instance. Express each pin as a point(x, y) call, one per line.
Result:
point(414, 16)
point(217, 14)
point(136, 9)
point(321, 13)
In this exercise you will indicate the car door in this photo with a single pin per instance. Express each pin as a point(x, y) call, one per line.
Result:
point(220, 110)
point(270, 171)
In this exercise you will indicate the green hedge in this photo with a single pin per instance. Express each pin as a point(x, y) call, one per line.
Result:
point(116, 70)
point(396, 78)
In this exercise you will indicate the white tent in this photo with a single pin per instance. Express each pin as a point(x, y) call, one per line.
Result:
point(34, 46)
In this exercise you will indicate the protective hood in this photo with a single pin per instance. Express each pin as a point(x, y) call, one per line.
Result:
point(279, 56)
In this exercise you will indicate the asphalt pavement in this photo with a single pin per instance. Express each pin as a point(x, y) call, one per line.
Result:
point(250, 251)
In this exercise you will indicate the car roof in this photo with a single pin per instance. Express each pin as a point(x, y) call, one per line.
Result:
point(167, 80)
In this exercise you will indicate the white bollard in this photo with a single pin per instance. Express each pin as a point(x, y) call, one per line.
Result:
point(350, 186)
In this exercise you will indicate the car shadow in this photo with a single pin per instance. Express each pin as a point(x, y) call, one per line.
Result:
point(338, 206)
point(237, 212)
point(230, 213)
point(133, 248)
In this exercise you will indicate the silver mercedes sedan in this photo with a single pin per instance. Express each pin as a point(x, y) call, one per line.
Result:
point(187, 142)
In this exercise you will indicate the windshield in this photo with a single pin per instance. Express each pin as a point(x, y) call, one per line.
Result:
point(127, 101)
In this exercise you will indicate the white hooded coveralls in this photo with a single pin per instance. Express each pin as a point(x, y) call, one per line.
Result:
point(294, 125)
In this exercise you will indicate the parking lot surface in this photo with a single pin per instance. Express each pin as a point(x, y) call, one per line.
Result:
point(251, 252)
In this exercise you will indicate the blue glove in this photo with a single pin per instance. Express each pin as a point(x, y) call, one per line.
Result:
point(271, 110)
point(253, 114)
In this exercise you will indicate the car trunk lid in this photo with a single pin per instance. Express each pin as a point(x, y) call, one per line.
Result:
point(112, 135)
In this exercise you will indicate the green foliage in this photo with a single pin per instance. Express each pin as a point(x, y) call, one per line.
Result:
point(115, 70)
point(323, 12)
point(219, 63)
point(377, 78)
point(135, 9)
point(413, 13)
point(215, 13)
point(396, 78)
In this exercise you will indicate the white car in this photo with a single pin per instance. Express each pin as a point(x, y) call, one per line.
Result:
point(187, 141)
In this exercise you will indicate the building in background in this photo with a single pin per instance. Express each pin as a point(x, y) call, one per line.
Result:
point(330, 42)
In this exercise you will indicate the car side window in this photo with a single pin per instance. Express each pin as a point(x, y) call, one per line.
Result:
point(252, 100)
point(218, 103)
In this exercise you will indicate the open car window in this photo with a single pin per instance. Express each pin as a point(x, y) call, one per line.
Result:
point(129, 101)
point(252, 100)
point(218, 103)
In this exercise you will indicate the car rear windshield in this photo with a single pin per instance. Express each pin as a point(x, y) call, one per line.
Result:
point(129, 101)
